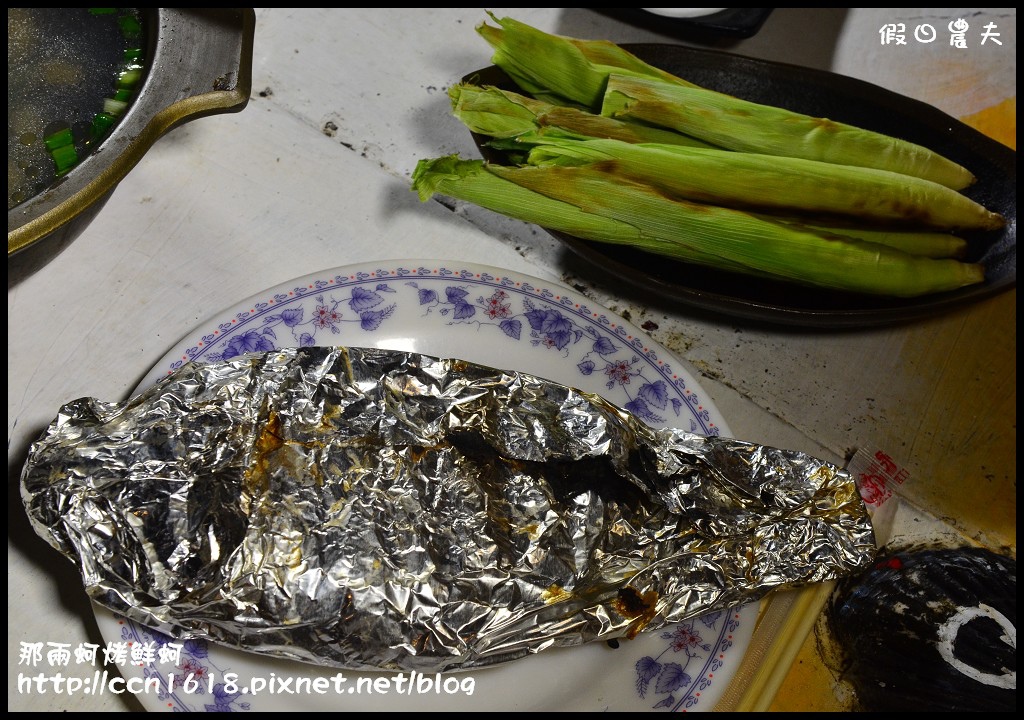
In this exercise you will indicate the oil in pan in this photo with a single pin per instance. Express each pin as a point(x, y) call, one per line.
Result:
point(71, 74)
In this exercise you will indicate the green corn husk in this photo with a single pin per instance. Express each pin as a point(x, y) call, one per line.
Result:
point(913, 242)
point(769, 183)
point(735, 124)
point(470, 181)
point(503, 114)
point(775, 249)
point(592, 205)
point(561, 69)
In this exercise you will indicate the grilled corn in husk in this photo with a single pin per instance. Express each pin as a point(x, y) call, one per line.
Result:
point(613, 150)
point(736, 124)
point(595, 205)
point(753, 180)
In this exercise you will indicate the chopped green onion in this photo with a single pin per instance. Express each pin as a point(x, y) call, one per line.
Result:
point(101, 122)
point(64, 157)
point(59, 139)
point(129, 78)
point(130, 26)
point(114, 107)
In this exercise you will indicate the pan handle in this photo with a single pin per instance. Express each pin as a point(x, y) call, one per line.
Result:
point(201, 65)
point(199, 62)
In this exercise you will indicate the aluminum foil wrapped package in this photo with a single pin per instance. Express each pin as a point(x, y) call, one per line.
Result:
point(374, 509)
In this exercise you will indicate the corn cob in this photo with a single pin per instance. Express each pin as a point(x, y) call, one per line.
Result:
point(735, 124)
point(499, 113)
point(764, 182)
point(561, 69)
point(594, 205)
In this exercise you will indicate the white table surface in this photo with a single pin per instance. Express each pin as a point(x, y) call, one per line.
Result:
point(226, 206)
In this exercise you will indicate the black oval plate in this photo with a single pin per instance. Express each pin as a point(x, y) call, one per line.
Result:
point(728, 22)
point(820, 94)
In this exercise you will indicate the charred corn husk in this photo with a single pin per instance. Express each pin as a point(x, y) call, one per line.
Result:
point(558, 68)
point(504, 114)
point(470, 180)
point(594, 205)
point(735, 124)
point(764, 182)
point(916, 242)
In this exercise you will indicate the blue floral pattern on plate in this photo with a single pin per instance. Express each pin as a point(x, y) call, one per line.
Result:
point(496, 317)
point(666, 676)
point(191, 684)
point(350, 308)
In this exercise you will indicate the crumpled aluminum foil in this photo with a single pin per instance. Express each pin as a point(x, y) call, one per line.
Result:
point(374, 509)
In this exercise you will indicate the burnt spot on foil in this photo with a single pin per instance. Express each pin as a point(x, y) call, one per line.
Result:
point(555, 593)
point(268, 442)
point(637, 606)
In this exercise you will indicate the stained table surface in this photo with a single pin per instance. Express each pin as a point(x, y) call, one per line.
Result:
point(314, 174)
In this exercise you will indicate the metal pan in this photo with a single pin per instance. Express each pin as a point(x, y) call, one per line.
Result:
point(199, 62)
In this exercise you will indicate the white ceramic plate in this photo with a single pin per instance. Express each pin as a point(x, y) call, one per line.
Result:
point(683, 12)
point(494, 317)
